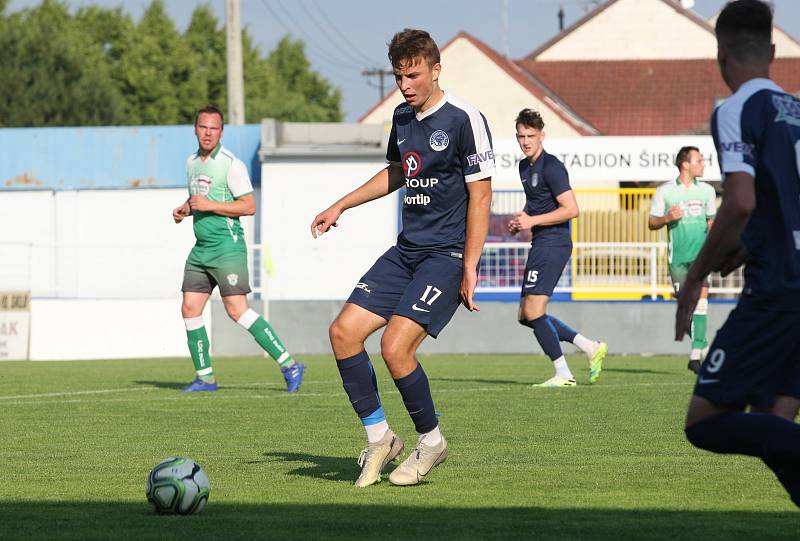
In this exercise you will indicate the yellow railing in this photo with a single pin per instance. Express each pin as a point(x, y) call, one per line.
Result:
point(616, 256)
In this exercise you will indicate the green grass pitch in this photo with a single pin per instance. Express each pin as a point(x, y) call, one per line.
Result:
point(607, 461)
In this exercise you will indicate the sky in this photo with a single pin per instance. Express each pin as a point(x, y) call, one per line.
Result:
point(344, 37)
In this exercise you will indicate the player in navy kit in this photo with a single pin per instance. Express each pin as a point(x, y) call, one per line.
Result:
point(440, 150)
point(754, 360)
point(549, 208)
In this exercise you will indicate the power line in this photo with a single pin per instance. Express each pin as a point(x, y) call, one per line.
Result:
point(311, 39)
point(336, 43)
point(341, 34)
point(321, 53)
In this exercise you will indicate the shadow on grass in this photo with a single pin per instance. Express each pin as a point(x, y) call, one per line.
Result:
point(277, 520)
point(479, 380)
point(163, 384)
point(331, 468)
point(222, 387)
point(637, 371)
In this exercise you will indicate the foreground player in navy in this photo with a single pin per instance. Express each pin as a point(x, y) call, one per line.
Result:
point(440, 149)
point(755, 358)
point(549, 208)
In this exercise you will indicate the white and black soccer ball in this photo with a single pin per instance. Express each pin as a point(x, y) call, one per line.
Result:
point(178, 485)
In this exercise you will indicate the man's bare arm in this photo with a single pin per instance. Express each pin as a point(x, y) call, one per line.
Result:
point(244, 206)
point(478, 210)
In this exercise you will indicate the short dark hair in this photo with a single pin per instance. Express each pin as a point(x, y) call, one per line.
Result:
point(530, 118)
point(683, 155)
point(411, 44)
point(209, 109)
point(744, 30)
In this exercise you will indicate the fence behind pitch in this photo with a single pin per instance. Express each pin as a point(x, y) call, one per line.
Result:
point(615, 255)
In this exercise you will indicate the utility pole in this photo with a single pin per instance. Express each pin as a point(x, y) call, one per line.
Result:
point(380, 73)
point(233, 43)
point(505, 28)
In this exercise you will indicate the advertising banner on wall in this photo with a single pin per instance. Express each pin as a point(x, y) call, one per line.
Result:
point(609, 159)
point(15, 318)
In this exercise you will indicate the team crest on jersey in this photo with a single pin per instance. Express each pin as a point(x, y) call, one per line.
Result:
point(694, 208)
point(439, 140)
point(788, 109)
point(412, 164)
point(534, 180)
point(233, 279)
point(201, 185)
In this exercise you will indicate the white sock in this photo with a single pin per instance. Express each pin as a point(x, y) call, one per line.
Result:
point(562, 370)
point(695, 354)
point(377, 431)
point(584, 344)
point(434, 437)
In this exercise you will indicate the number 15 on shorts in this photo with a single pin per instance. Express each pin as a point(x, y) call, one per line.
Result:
point(531, 277)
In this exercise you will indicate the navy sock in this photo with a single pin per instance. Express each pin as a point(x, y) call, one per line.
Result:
point(360, 384)
point(565, 332)
point(417, 397)
point(773, 439)
point(547, 336)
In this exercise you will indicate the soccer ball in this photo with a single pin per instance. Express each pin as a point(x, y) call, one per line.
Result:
point(177, 485)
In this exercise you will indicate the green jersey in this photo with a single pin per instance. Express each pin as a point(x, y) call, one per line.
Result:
point(686, 235)
point(220, 177)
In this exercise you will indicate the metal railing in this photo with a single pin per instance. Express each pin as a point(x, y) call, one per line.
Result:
point(607, 270)
point(615, 255)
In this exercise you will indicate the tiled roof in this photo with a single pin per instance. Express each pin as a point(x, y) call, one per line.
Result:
point(645, 97)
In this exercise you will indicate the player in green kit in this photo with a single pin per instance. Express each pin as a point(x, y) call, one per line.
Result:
point(219, 193)
point(687, 207)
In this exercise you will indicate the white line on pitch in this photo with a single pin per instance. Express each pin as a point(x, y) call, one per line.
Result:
point(276, 384)
point(133, 389)
point(73, 393)
point(25, 399)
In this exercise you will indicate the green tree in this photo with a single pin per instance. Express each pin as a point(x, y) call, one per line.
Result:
point(206, 40)
point(99, 67)
point(51, 75)
point(284, 86)
point(157, 72)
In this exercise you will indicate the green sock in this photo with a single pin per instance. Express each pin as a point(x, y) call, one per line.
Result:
point(266, 337)
point(699, 324)
point(198, 348)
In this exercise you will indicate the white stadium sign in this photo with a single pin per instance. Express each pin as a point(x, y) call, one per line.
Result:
point(609, 159)
point(15, 315)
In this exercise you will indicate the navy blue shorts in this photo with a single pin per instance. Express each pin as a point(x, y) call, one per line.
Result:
point(423, 287)
point(543, 269)
point(754, 357)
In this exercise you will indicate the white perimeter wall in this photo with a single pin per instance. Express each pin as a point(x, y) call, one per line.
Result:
point(93, 243)
point(104, 268)
point(64, 329)
point(329, 267)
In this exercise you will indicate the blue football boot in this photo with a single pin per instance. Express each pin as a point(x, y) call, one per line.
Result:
point(293, 375)
point(200, 385)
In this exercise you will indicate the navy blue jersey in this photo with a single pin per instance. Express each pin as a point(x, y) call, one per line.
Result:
point(756, 131)
point(543, 181)
point(440, 150)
